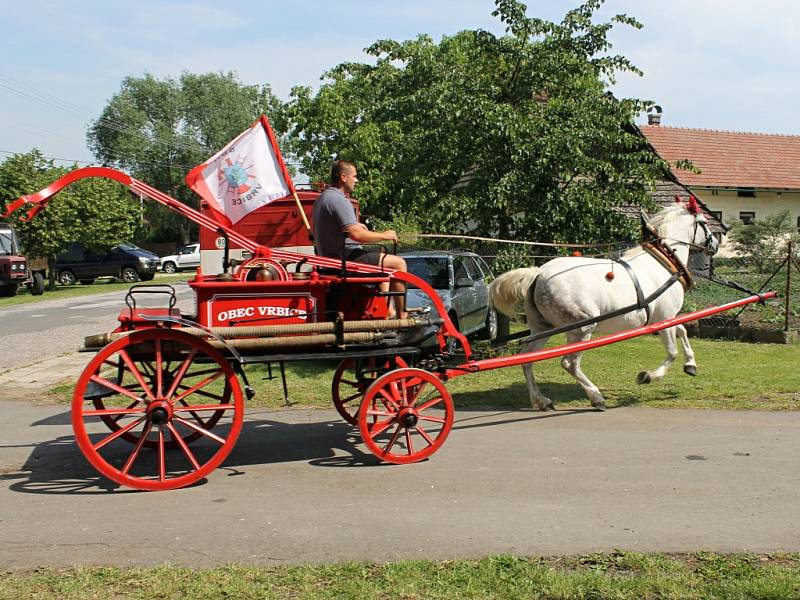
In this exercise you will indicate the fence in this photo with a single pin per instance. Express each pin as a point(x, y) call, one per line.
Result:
point(779, 271)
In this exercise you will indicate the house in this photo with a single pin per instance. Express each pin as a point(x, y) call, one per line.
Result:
point(744, 176)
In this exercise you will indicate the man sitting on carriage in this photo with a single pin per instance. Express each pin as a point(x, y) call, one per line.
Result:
point(338, 234)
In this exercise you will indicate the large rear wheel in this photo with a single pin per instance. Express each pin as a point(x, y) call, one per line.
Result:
point(157, 391)
point(406, 416)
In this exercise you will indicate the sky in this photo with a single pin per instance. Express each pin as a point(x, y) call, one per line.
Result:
point(731, 65)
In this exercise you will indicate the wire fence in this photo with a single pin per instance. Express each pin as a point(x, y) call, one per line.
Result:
point(779, 271)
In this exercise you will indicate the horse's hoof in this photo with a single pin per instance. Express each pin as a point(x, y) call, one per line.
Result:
point(548, 407)
point(599, 406)
point(643, 377)
point(690, 370)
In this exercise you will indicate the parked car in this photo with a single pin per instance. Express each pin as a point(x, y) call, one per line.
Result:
point(462, 281)
point(15, 268)
point(187, 257)
point(125, 262)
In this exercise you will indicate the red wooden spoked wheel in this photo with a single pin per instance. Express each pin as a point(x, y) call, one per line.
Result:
point(189, 380)
point(352, 378)
point(406, 415)
point(131, 361)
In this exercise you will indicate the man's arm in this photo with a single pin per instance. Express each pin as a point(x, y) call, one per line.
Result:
point(358, 232)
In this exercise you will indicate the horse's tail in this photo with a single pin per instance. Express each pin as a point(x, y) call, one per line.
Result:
point(507, 293)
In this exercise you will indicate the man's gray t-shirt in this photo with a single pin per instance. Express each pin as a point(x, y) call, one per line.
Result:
point(331, 214)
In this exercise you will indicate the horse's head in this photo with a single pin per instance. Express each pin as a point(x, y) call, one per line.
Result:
point(685, 224)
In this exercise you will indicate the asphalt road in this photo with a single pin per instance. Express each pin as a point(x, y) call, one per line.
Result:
point(33, 332)
point(299, 488)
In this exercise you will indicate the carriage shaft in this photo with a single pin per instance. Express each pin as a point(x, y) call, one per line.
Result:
point(562, 350)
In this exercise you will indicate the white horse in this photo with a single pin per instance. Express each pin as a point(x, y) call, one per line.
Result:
point(568, 290)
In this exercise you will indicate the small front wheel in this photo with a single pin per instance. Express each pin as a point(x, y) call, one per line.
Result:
point(169, 267)
point(406, 416)
point(352, 378)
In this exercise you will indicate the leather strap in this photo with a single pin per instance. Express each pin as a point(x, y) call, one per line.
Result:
point(640, 301)
point(665, 255)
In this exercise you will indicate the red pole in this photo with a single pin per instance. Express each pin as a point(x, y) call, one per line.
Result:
point(546, 353)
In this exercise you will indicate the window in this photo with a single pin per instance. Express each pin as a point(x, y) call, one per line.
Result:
point(747, 217)
point(472, 269)
point(746, 193)
point(798, 224)
point(459, 271)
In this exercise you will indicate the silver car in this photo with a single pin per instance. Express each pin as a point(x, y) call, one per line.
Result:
point(462, 280)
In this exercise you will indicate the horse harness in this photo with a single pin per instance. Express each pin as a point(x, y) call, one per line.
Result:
point(667, 258)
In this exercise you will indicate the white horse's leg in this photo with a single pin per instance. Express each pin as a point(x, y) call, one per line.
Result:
point(668, 339)
point(538, 400)
point(571, 363)
point(689, 365)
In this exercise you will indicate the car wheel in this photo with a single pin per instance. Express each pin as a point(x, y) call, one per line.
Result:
point(489, 331)
point(129, 275)
point(87, 281)
point(37, 284)
point(8, 290)
point(66, 278)
point(169, 267)
point(147, 276)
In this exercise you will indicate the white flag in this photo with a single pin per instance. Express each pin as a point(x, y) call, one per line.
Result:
point(245, 175)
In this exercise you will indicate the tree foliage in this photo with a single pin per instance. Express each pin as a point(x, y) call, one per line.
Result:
point(159, 129)
point(521, 124)
point(764, 241)
point(98, 213)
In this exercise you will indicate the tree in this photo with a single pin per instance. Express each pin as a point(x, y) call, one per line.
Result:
point(546, 150)
point(158, 130)
point(97, 213)
point(764, 240)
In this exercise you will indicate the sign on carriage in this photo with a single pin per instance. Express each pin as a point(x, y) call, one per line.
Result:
point(245, 175)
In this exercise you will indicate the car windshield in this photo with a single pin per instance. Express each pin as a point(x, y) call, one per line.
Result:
point(126, 246)
point(7, 245)
point(432, 269)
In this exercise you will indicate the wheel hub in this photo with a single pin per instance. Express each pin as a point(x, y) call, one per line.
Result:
point(159, 413)
point(408, 418)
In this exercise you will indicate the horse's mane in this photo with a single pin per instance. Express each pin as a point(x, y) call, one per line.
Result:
point(666, 215)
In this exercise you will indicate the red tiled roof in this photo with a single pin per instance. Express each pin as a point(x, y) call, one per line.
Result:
point(729, 158)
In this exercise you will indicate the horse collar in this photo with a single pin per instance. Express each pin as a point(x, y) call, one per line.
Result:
point(669, 260)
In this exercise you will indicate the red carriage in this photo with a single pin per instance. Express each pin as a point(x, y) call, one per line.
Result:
point(161, 404)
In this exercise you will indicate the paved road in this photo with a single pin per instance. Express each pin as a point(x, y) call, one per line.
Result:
point(299, 487)
point(34, 332)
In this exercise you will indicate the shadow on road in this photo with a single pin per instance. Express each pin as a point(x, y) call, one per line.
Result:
point(58, 467)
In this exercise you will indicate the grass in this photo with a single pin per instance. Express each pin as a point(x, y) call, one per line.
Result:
point(731, 375)
point(73, 291)
point(619, 575)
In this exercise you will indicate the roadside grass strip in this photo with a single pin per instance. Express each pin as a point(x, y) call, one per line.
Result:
point(62, 292)
point(620, 575)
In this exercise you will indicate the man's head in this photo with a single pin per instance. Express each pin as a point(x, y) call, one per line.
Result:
point(344, 176)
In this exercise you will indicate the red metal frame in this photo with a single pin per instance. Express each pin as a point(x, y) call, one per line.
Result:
point(41, 199)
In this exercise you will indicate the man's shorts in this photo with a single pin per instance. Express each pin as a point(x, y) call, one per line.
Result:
point(365, 256)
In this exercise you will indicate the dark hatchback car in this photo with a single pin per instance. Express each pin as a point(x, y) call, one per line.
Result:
point(462, 281)
point(125, 262)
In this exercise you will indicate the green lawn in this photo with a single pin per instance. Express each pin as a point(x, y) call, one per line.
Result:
point(100, 286)
point(622, 575)
point(731, 375)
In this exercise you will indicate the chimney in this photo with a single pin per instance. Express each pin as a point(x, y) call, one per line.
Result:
point(654, 118)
